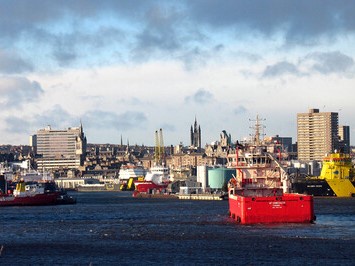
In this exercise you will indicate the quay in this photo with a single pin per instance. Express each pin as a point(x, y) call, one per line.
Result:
point(201, 197)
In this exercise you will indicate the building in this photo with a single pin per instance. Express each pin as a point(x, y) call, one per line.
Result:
point(195, 134)
point(317, 134)
point(344, 139)
point(59, 149)
point(285, 142)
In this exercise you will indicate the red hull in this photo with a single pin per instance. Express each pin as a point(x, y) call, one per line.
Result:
point(39, 199)
point(288, 208)
point(148, 187)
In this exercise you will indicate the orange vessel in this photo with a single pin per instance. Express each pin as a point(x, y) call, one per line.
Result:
point(259, 193)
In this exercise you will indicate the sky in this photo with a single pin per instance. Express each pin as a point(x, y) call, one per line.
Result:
point(125, 69)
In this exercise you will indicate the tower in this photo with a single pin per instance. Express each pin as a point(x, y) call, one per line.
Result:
point(317, 134)
point(195, 135)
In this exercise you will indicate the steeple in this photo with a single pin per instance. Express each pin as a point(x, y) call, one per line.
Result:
point(195, 134)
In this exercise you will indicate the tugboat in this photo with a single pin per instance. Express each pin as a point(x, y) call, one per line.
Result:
point(259, 193)
point(28, 195)
point(337, 178)
point(32, 194)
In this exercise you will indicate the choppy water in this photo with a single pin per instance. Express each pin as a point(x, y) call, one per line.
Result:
point(112, 228)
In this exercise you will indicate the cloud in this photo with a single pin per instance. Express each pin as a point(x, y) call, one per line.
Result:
point(124, 121)
point(17, 125)
point(56, 117)
point(69, 31)
point(159, 32)
point(17, 91)
point(202, 96)
point(11, 63)
point(240, 110)
point(300, 20)
point(331, 62)
point(168, 127)
point(280, 69)
point(320, 62)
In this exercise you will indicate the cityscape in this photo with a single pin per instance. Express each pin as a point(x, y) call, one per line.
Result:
point(152, 132)
point(66, 153)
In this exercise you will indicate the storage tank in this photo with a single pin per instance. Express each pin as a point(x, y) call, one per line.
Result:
point(202, 175)
point(219, 176)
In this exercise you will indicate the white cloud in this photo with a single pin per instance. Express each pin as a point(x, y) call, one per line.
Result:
point(18, 91)
point(132, 68)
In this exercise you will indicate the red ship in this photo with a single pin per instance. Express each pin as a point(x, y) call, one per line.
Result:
point(157, 179)
point(33, 194)
point(259, 193)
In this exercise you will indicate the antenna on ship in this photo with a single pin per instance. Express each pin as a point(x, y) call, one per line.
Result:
point(258, 127)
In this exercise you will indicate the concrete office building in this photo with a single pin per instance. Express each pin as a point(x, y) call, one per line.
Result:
point(60, 149)
point(317, 134)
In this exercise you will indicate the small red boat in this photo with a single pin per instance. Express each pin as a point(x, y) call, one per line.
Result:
point(259, 191)
point(28, 195)
point(33, 194)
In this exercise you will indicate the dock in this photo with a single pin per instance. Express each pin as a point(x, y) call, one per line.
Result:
point(202, 197)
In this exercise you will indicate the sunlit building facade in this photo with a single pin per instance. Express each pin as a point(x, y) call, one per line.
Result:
point(60, 149)
point(317, 134)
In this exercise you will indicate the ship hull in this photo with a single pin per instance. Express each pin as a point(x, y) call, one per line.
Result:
point(325, 188)
point(288, 208)
point(36, 200)
point(148, 187)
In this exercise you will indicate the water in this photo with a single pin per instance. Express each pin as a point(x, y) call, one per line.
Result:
point(112, 228)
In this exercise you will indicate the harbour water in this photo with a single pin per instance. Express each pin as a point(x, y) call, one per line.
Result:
point(112, 228)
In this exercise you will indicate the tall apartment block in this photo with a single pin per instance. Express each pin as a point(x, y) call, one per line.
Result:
point(60, 149)
point(317, 134)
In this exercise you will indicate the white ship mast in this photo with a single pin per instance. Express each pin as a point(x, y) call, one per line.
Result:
point(258, 127)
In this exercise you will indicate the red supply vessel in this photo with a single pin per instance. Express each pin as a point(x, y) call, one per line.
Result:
point(32, 194)
point(157, 179)
point(259, 193)
point(28, 195)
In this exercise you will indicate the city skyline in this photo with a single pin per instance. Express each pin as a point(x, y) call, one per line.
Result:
point(128, 68)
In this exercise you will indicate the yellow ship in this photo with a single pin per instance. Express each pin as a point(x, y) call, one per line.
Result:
point(336, 179)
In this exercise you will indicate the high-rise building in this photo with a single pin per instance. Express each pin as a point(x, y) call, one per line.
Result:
point(344, 139)
point(60, 149)
point(317, 134)
point(195, 134)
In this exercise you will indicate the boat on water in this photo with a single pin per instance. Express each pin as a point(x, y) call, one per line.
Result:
point(155, 181)
point(32, 194)
point(94, 185)
point(259, 193)
point(128, 174)
point(337, 178)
